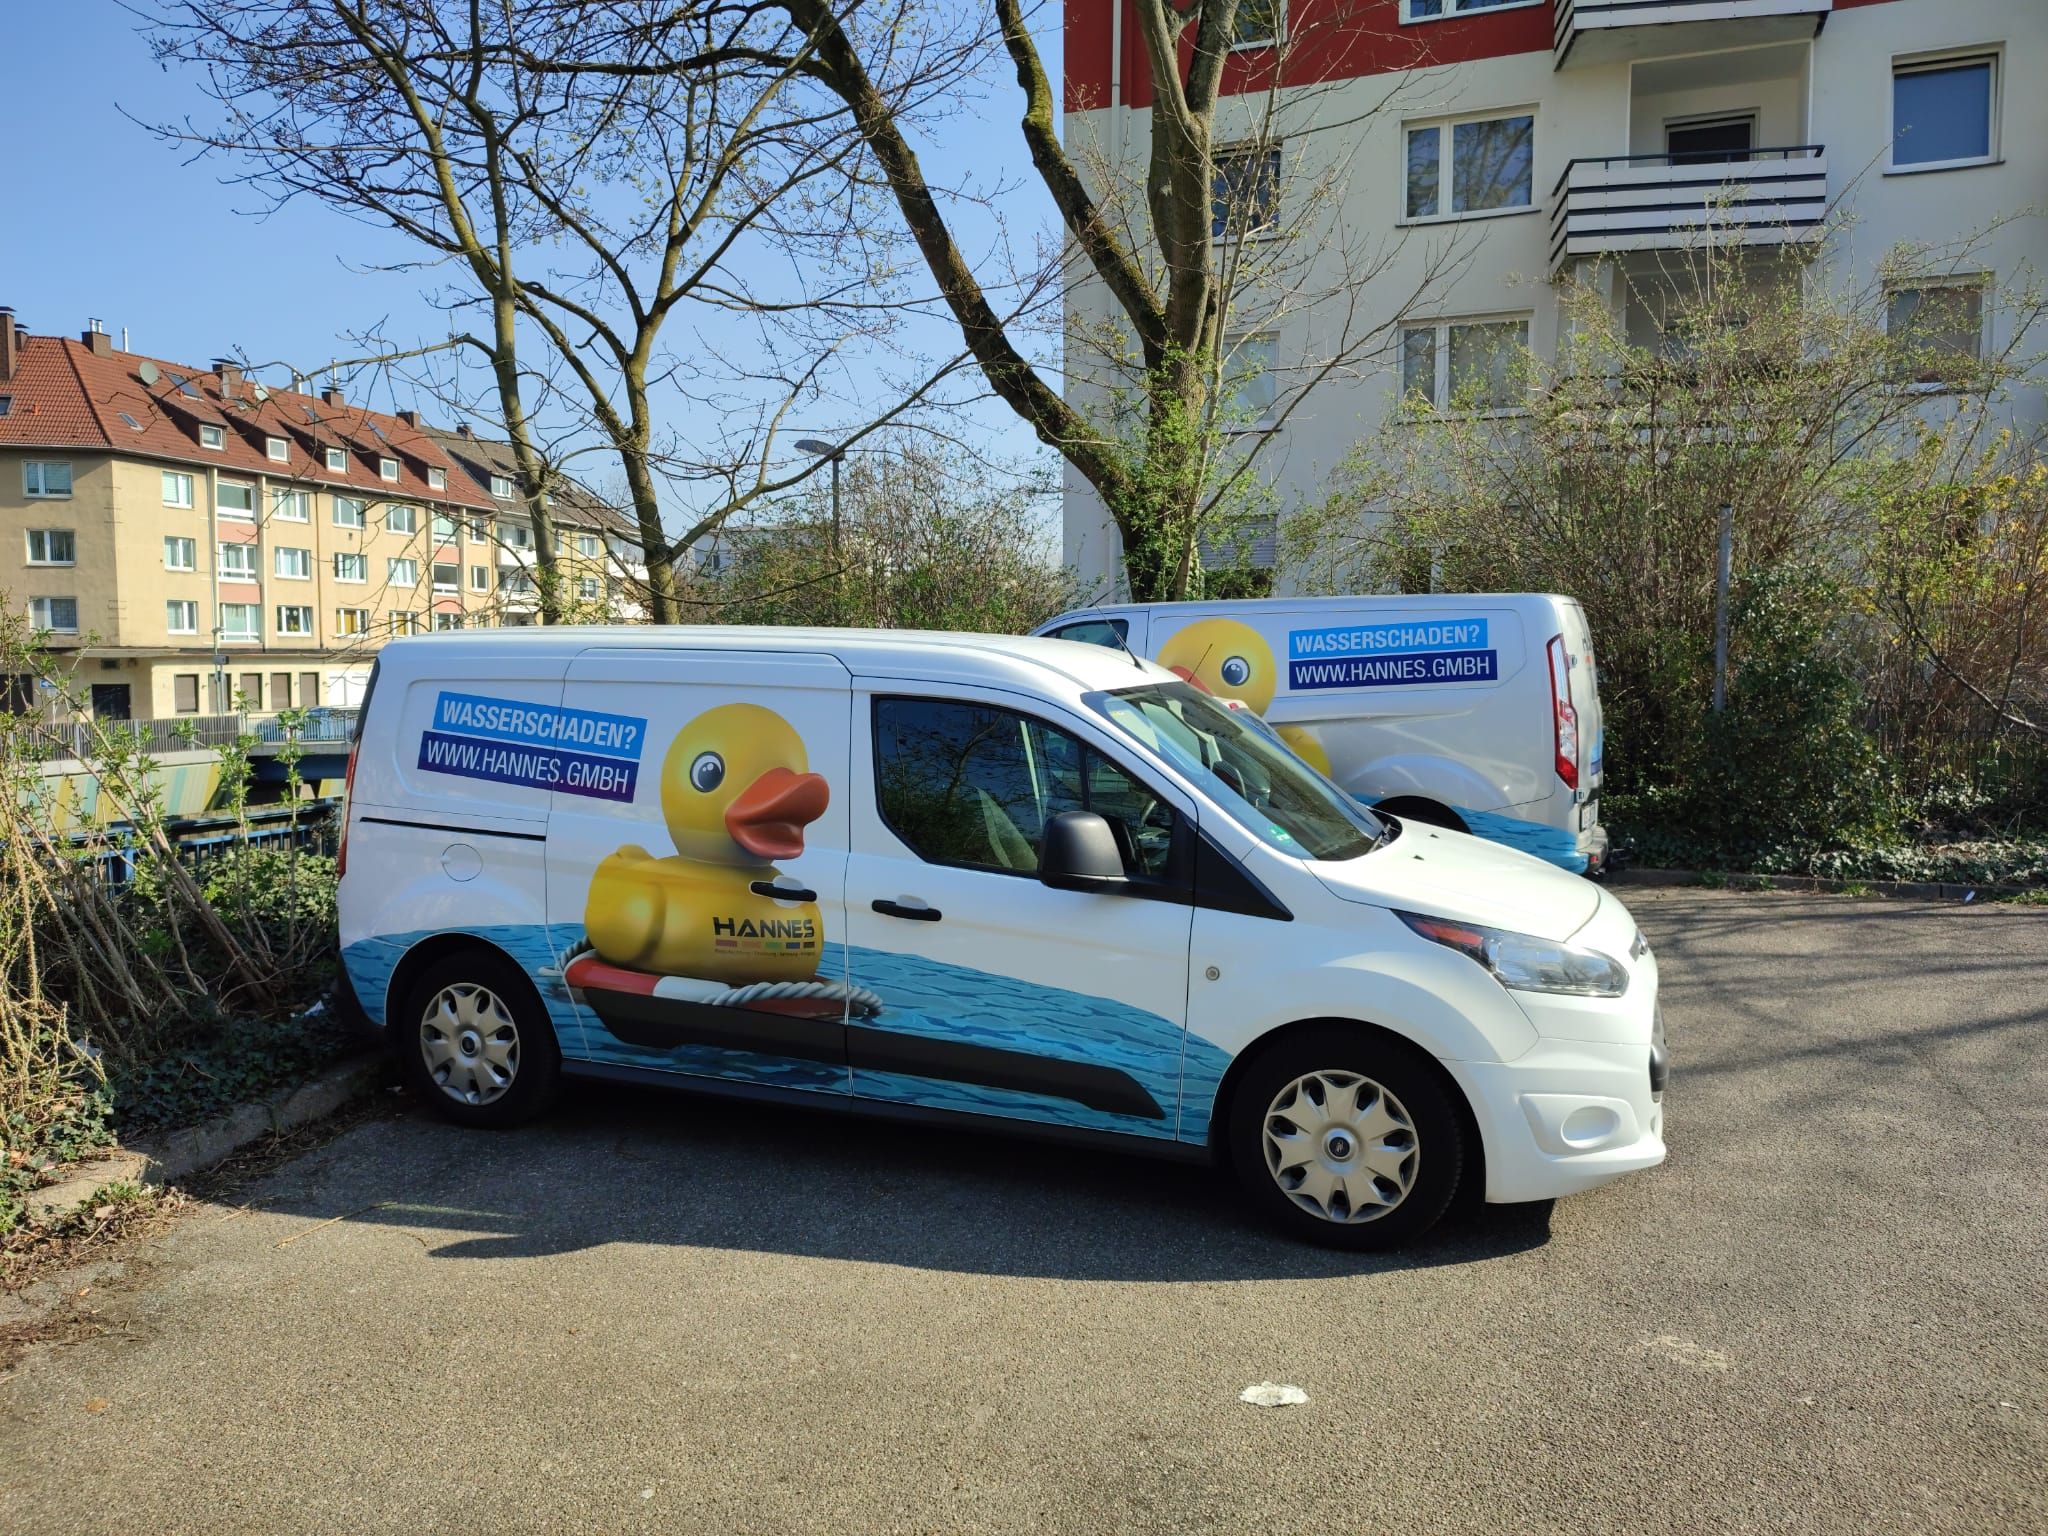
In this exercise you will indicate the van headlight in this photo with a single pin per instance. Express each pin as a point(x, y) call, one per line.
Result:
point(1525, 962)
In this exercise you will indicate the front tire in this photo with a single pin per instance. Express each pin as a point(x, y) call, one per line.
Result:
point(1346, 1138)
point(475, 1043)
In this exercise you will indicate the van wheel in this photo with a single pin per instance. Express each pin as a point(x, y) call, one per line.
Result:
point(1346, 1138)
point(1428, 812)
point(475, 1042)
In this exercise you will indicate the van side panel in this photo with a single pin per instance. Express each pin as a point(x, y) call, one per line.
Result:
point(446, 824)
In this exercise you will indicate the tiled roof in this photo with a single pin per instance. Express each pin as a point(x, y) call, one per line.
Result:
point(574, 502)
point(65, 395)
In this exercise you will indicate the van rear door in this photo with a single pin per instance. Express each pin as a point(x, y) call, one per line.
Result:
point(1578, 641)
point(720, 855)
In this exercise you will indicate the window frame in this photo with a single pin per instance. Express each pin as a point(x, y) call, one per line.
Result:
point(336, 460)
point(434, 570)
point(1992, 55)
point(277, 562)
point(362, 566)
point(277, 449)
point(1440, 370)
point(53, 626)
point(241, 572)
point(40, 491)
point(47, 561)
point(213, 439)
point(411, 513)
point(283, 496)
point(437, 478)
point(1456, 9)
point(285, 631)
point(479, 578)
point(188, 603)
point(1446, 166)
point(1978, 282)
point(1272, 38)
point(179, 682)
point(1176, 885)
point(191, 545)
point(391, 576)
point(342, 627)
point(362, 511)
point(387, 469)
point(1247, 150)
point(235, 514)
point(186, 486)
point(1231, 345)
point(504, 480)
point(227, 634)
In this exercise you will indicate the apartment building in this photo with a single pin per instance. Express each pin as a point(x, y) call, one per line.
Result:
point(196, 541)
point(1437, 171)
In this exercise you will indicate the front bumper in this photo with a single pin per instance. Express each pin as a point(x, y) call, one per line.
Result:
point(1567, 1116)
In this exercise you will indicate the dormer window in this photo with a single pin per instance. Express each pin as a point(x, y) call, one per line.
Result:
point(501, 487)
point(337, 460)
point(387, 469)
point(276, 448)
point(213, 437)
point(437, 479)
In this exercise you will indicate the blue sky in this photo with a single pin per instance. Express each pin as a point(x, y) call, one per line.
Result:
point(110, 222)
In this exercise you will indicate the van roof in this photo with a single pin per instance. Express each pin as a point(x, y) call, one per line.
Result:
point(1296, 604)
point(866, 652)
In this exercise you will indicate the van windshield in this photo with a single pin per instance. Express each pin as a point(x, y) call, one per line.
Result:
point(1266, 789)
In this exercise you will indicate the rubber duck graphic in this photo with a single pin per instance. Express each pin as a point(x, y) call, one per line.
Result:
point(736, 793)
point(1231, 660)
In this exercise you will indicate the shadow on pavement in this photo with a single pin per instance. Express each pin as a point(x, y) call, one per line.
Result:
point(616, 1164)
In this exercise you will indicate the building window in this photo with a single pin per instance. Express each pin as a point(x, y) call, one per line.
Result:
point(445, 527)
point(241, 621)
point(291, 506)
point(1257, 24)
point(1944, 111)
point(6, 405)
point(1244, 192)
point(337, 460)
point(280, 690)
point(401, 572)
point(447, 578)
point(292, 564)
point(177, 489)
point(181, 554)
point(237, 562)
point(515, 535)
point(518, 583)
point(294, 619)
point(437, 479)
point(479, 530)
point(276, 448)
point(235, 500)
point(249, 691)
point(1430, 10)
point(387, 469)
point(588, 588)
point(1478, 165)
point(479, 578)
point(46, 477)
point(57, 614)
point(407, 624)
point(351, 621)
point(181, 617)
point(213, 437)
point(52, 546)
point(1250, 386)
point(1463, 365)
point(401, 520)
point(447, 621)
point(1937, 333)
point(586, 545)
point(348, 512)
point(501, 487)
point(185, 692)
point(351, 567)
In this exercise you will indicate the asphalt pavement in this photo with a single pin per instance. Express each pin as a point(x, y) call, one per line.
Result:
point(655, 1312)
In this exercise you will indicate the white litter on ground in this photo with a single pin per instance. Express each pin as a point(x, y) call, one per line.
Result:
point(1270, 1394)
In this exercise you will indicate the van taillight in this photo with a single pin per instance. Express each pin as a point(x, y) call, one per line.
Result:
point(348, 787)
point(1562, 712)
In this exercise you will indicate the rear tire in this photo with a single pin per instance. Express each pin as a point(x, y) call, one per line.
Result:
point(474, 1041)
point(1346, 1138)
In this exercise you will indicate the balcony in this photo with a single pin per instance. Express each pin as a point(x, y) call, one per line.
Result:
point(1771, 197)
point(1586, 32)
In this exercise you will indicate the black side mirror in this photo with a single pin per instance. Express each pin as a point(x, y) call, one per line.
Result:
point(1080, 854)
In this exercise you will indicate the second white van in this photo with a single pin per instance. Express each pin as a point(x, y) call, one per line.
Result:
point(1480, 713)
point(970, 880)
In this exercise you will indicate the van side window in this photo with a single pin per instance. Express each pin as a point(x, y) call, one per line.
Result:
point(1109, 632)
point(974, 785)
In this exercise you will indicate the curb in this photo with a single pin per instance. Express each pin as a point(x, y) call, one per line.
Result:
point(178, 1155)
point(1927, 890)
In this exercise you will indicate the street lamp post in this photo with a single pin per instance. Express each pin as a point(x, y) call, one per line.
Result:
point(823, 450)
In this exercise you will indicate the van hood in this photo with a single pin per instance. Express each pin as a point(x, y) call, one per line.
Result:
point(1441, 873)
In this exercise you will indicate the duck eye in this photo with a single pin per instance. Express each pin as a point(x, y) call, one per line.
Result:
point(707, 772)
point(1236, 671)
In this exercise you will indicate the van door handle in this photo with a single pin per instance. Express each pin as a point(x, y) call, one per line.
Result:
point(898, 909)
point(783, 892)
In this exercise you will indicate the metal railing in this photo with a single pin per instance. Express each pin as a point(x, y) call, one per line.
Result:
point(45, 741)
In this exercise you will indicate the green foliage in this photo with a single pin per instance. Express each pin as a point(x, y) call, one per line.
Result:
point(233, 1062)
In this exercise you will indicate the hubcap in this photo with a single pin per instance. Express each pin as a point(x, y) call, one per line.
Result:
point(470, 1044)
point(1340, 1146)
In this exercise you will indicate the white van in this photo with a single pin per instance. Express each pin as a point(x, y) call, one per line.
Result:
point(968, 879)
point(1478, 713)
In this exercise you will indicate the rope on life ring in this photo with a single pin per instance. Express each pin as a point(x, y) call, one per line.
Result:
point(858, 999)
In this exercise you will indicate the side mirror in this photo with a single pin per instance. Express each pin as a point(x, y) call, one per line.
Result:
point(1080, 854)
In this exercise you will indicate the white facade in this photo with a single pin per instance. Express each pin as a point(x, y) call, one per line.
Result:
point(1808, 90)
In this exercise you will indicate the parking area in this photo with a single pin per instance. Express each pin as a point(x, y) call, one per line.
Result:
point(661, 1313)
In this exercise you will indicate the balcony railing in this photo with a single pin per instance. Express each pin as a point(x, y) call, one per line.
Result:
point(1603, 31)
point(1619, 203)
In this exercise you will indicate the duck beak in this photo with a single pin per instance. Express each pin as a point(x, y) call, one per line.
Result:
point(770, 814)
point(1187, 676)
